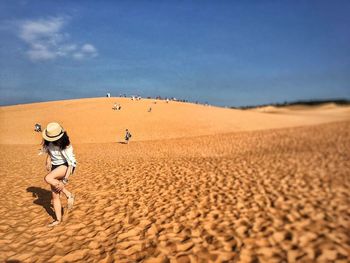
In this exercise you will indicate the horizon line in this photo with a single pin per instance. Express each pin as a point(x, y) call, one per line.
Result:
point(309, 102)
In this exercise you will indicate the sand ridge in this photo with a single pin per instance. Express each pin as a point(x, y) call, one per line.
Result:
point(273, 196)
point(94, 121)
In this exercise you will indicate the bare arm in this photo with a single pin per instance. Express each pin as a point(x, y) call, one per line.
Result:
point(68, 173)
point(48, 162)
point(64, 180)
point(70, 158)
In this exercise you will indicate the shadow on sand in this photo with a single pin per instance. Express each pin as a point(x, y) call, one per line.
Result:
point(122, 142)
point(43, 198)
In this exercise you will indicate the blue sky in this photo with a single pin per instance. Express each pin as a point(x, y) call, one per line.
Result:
point(230, 53)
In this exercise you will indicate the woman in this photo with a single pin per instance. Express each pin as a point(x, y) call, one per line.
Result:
point(61, 163)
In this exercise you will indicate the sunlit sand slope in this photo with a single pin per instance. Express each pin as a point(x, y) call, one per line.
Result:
point(93, 120)
point(261, 196)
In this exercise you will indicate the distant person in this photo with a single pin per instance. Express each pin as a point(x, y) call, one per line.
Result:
point(127, 136)
point(108, 95)
point(61, 163)
point(115, 106)
point(37, 127)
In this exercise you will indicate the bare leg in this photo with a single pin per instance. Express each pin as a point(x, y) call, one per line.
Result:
point(53, 179)
point(54, 176)
point(57, 204)
point(66, 192)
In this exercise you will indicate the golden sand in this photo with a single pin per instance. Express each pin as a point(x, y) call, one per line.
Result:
point(94, 121)
point(196, 184)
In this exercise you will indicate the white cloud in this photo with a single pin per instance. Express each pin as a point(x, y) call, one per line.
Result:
point(88, 48)
point(47, 41)
point(66, 50)
point(86, 51)
point(48, 29)
point(40, 54)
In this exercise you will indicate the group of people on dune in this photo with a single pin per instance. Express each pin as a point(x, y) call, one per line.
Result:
point(61, 164)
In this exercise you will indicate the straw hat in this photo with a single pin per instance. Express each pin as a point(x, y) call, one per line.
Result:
point(53, 132)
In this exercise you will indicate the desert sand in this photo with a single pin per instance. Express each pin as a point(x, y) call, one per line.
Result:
point(196, 184)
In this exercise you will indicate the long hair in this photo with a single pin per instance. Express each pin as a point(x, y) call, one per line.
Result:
point(61, 143)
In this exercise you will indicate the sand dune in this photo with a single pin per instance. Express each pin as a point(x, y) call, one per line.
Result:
point(198, 184)
point(330, 109)
point(93, 120)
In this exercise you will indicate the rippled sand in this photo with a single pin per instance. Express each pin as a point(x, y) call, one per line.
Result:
point(278, 195)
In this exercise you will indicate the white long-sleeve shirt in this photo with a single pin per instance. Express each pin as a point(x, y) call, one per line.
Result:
point(59, 157)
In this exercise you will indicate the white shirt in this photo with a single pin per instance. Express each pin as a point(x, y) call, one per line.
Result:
point(59, 157)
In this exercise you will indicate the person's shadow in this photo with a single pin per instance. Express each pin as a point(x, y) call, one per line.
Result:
point(43, 198)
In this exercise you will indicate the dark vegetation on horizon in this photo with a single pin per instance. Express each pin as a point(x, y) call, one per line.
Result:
point(299, 102)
